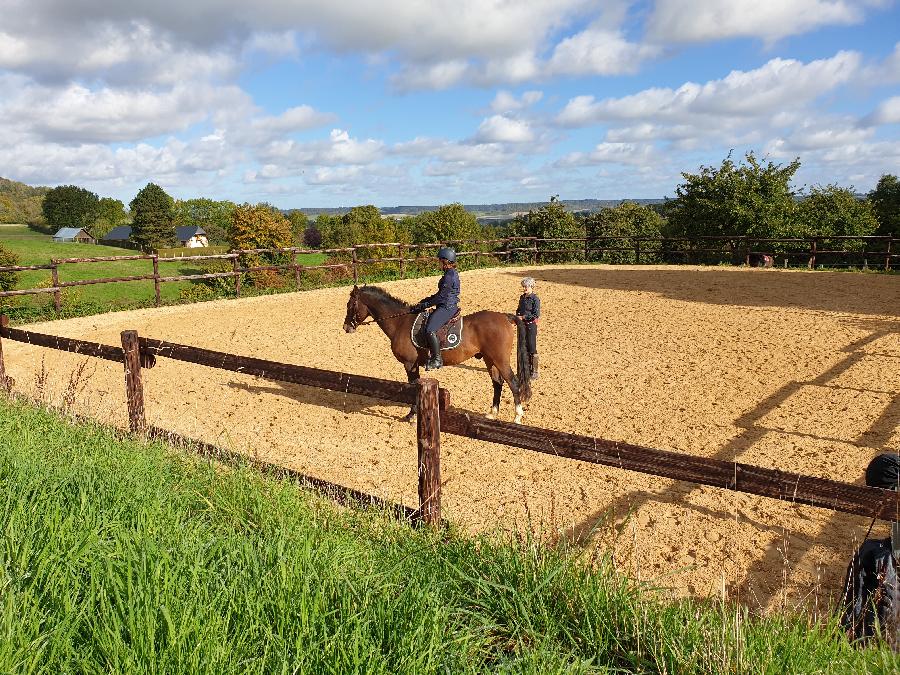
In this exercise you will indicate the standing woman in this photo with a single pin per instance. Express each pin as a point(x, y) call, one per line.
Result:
point(529, 310)
point(445, 303)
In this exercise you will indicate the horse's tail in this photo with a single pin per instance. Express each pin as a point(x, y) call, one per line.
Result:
point(523, 367)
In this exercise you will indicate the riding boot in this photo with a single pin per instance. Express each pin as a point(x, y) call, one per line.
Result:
point(534, 366)
point(434, 347)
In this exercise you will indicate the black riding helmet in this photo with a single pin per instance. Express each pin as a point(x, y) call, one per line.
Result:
point(447, 254)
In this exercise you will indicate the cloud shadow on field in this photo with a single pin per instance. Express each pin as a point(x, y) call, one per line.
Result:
point(843, 292)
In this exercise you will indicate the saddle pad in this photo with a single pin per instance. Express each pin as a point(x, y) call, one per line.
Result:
point(449, 335)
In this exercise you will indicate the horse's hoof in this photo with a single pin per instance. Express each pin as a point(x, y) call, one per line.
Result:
point(491, 416)
point(518, 419)
point(409, 418)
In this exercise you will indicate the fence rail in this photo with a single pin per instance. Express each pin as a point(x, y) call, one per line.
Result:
point(435, 416)
point(627, 250)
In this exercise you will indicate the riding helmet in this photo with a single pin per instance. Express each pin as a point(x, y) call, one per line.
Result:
point(447, 254)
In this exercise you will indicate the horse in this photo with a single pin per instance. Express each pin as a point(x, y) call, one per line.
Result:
point(487, 335)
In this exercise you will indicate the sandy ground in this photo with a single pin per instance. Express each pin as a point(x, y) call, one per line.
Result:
point(785, 369)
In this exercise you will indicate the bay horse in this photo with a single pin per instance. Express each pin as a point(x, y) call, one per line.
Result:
point(486, 335)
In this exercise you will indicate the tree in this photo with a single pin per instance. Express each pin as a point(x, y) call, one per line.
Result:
point(70, 206)
point(153, 218)
point(299, 223)
point(213, 216)
point(8, 259)
point(751, 199)
point(551, 221)
point(312, 238)
point(259, 226)
point(616, 228)
point(886, 200)
point(833, 211)
point(110, 214)
point(450, 222)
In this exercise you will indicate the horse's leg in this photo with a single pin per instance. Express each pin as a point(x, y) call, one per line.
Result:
point(412, 376)
point(513, 383)
point(498, 389)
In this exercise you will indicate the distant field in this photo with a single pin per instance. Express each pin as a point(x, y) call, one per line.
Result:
point(34, 248)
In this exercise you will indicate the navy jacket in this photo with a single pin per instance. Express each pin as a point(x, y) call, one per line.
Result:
point(529, 307)
point(448, 292)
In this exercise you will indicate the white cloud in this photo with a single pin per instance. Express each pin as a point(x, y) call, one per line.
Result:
point(610, 153)
point(502, 129)
point(598, 51)
point(690, 21)
point(777, 85)
point(887, 112)
point(505, 101)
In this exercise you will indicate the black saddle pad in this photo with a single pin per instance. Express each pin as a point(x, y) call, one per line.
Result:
point(449, 335)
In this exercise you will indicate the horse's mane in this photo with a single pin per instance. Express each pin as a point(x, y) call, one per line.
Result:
point(389, 302)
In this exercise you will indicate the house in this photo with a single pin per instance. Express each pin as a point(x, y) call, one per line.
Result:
point(191, 236)
point(78, 234)
point(118, 236)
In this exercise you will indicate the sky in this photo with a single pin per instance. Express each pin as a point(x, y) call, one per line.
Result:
point(307, 103)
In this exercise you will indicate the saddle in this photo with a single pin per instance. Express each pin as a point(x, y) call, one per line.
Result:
point(449, 335)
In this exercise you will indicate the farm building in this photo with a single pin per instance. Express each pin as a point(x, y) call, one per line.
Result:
point(189, 237)
point(78, 234)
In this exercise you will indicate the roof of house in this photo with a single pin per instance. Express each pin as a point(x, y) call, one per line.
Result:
point(121, 233)
point(188, 231)
point(70, 232)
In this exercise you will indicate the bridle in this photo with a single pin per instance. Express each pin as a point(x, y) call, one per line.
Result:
point(354, 323)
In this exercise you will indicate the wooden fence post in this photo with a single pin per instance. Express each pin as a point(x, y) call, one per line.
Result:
point(296, 269)
point(156, 278)
point(637, 252)
point(236, 266)
point(887, 256)
point(428, 431)
point(812, 254)
point(134, 388)
point(353, 264)
point(57, 299)
point(400, 255)
point(747, 251)
point(5, 382)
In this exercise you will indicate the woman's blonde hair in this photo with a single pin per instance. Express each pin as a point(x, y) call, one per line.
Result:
point(528, 282)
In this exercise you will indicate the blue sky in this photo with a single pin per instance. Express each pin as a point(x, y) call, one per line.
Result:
point(310, 103)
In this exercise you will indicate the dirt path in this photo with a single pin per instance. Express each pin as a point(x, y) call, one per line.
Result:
point(785, 369)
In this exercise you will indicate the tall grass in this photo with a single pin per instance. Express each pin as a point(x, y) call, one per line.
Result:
point(123, 556)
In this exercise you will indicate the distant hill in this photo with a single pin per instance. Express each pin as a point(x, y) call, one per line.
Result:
point(20, 203)
point(489, 211)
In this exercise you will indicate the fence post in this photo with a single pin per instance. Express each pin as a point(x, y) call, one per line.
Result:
point(812, 254)
point(5, 382)
point(57, 299)
point(353, 265)
point(296, 269)
point(156, 278)
point(887, 256)
point(428, 432)
point(236, 266)
point(637, 252)
point(400, 255)
point(134, 388)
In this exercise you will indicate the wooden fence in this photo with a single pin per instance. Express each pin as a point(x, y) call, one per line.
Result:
point(435, 416)
point(880, 251)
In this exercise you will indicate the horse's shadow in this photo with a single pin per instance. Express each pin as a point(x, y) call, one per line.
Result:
point(346, 403)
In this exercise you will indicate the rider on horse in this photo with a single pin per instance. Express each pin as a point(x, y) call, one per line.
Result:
point(445, 303)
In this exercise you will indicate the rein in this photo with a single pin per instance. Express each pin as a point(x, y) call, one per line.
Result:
point(356, 324)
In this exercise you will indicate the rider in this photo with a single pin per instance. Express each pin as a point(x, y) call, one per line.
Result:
point(445, 302)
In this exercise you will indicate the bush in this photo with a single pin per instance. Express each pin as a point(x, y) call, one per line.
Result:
point(8, 280)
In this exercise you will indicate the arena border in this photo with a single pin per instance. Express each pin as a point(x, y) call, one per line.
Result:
point(435, 415)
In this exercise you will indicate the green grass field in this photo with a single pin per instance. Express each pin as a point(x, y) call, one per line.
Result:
point(128, 557)
point(34, 248)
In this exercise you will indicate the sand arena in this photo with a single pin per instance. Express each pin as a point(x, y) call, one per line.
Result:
point(793, 370)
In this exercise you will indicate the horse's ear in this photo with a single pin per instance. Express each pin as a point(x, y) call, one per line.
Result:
point(355, 288)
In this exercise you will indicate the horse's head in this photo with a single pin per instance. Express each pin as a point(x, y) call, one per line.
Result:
point(357, 311)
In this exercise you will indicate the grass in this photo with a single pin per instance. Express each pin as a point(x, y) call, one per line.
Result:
point(124, 556)
point(34, 248)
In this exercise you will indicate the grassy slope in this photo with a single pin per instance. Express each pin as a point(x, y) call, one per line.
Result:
point(122, 557)
point(38, 249)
